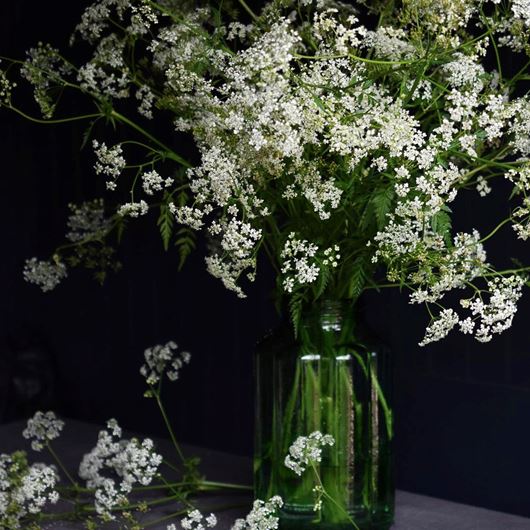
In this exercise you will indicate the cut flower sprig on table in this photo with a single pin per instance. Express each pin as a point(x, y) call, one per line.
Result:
point(335, 147)
point(114, 478)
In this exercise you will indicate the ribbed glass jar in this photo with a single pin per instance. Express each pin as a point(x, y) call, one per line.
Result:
point(328, 379)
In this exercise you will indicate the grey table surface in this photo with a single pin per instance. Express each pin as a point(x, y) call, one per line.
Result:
point(413, 512)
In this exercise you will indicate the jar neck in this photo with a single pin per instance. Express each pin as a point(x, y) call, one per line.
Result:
point(330, 321)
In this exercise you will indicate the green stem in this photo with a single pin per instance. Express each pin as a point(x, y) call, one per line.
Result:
point(183, 512)
point(368, 372)
point(171, 466)
point(496, 229)
point(168, 426)
point(167, 151)
point(505, 272)
point(60, 464)
point(55, 121)
point(351, 56)
point(330, 498)
point(165, 518)
point(247, 8)
point(226, 485)
point(62, 516)
point(136, 505)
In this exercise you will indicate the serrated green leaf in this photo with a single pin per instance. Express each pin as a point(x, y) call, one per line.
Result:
point(295, 311)
point(323, 281)
point(382, 204)
point(165, 224)
point(441, 224)
point(359, 277)
point(318, 102)
point(185, 241)
point(121, 224)
point(87, 134)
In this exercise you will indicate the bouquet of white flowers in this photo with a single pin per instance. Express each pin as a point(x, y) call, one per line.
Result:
point(333, 138)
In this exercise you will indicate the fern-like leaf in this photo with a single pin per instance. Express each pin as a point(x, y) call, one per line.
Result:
point(441, 224)
point(382, 204)
point(87, 134)
point(359, 277)
point(165, 223)
point(186, 244)
point(323, 281)
point(295, 311)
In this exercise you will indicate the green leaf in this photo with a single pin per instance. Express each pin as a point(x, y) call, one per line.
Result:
point(323, 281)
point(121, 224)
point(87, 134)
point(165, 224)
point(359, 277)
point(186, 244)
point(295, 311)
point(318, 102)
point(441, 224)
point(382, 204)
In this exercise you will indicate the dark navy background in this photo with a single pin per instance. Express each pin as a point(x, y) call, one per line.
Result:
point(463, 408)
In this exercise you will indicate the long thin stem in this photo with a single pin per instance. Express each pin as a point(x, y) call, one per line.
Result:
point(167, 151)
point(505, 272)
point(330, 498)
point(54, 121)
point(168, 426)
point(496, 229)
point(182, 512)
point(247, 8)
point(204, 485)
point(60, 464)
point(225, 485)
point(354, 57)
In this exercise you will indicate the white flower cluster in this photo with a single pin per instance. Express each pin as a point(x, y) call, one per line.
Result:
point(521, 11)
point(521, 214)
point(96, 18)
point(132, 461)
point(443, 18)
point(24, 489)
point(152, 181)
point(146, 98)
point(87, 221)
point(110, 162)
point(488, 318)
point(6, 87)
point(143, 17)
point(133, 209)
point(196, 521)
point(315, 121)
point(45, 69)
point(455, 267)
point(307, 450)
point(237, 248)
point(187, 215)
point(42, 428)
point(46, 274)
point(263, 516)
point(163, 359)
point(37, 488)
point(496, 315)
point(440, 326)
point(300, 263)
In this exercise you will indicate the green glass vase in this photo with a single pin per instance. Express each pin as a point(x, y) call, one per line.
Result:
point(333, 380)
